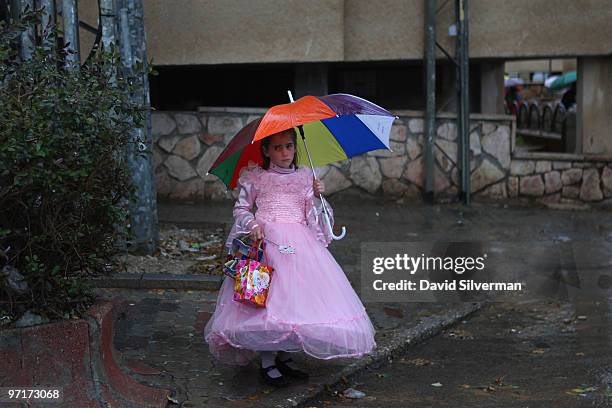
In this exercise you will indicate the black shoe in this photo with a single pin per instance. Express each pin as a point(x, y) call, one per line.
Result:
point(281, 381)
point(291, 372)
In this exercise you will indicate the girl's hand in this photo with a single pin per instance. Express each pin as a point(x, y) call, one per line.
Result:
point(318, 187)
point(257, 233)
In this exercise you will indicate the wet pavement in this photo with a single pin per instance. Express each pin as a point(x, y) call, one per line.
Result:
point(159, 341)
point(532, 354)
point(159, 338)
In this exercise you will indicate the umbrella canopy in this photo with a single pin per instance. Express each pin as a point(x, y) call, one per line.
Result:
point(548, 82)
point(513, 82)
point(336, 127)
point(563, 81)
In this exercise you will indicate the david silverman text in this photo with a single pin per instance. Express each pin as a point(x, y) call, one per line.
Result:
point(464, 284)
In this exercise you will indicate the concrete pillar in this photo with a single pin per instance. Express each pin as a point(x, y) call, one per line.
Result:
point(70, 16)
point(143, 209)
point(311, 79)
point(107, 18)
point(492, 87)
point(27, 37)
point(48, 24)
point(594, 105)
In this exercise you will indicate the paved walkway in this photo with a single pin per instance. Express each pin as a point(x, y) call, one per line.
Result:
point(159, 338)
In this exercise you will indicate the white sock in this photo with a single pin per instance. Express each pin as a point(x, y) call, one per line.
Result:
point(267, 360)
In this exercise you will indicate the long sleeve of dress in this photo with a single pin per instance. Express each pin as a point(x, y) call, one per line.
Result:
point(315, 217)
point(244, 219)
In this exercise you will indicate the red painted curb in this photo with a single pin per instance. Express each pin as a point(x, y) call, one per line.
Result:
point(76, 356)
point(54, 356)
point(120, 383)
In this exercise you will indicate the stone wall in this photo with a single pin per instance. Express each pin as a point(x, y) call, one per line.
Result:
point(561, 180)
point(186, 144)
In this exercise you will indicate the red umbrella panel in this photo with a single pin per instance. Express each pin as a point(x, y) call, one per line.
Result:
point(237, 155)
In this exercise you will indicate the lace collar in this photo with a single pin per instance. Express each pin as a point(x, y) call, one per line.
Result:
point(278, 169)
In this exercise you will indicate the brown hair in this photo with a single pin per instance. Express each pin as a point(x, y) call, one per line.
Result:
point(265, 143)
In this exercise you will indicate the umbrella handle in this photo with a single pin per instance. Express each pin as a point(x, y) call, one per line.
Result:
point(331, 231)
point(328, 223)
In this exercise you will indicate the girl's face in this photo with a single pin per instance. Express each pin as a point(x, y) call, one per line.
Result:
point(281, 150)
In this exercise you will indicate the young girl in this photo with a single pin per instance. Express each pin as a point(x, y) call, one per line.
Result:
point(311, 305)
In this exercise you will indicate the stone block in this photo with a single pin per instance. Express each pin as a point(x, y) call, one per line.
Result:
point(496, 191)
point(522, 167)
point(561, 165)
point(398, 133)
point(590, 189)
point(475, 145)
point(167, 143)
point(415, 172)
point(365, 173)
point(542, 166)
point(162, 124)
point(413, 148)
point(571, 176)
point(531, 185)
point(179, 168)
point(392, 167)
point(335, 181)
point(207, 159)
point(606, 181)
point(447, 131)
point(209, 139)
point(487, 173)
point(497, 144)
point(188, 148)
point(552, 182)
point(188, 123)
point(570, 192)
point(224, 125)
point(440, 180)
point(415, 125)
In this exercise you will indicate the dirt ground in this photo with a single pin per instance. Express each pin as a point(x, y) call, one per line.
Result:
point(181, 251)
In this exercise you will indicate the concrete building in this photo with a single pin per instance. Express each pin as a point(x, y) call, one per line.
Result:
point(375, 49)
point(243, 54)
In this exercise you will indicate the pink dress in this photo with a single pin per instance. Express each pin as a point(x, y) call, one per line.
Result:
point(311, 305)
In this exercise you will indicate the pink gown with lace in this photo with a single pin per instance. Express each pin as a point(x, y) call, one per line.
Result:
point(311, 305)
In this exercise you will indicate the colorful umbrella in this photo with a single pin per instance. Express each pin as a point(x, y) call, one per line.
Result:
point(513, 82)
point(336, 127)
point(563, 81)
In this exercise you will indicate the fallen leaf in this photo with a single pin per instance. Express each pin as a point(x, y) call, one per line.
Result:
point(417, 362)
point(353, 393)
point(582, 390)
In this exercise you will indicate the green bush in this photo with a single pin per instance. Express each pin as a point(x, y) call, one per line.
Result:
point(64, 179)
